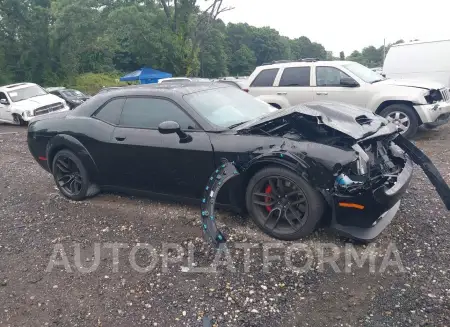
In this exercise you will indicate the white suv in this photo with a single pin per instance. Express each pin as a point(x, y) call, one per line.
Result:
point(408, 104)
point(19, 103)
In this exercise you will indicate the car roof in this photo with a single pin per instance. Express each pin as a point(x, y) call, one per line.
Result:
point(164, 89)
point(305, 63)
point(17, 86)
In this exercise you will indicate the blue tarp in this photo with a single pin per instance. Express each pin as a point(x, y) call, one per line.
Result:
point(145, 76)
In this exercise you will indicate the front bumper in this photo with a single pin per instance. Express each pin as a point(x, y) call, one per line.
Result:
point(375, 208)
point(437, 114)
point(29, 118)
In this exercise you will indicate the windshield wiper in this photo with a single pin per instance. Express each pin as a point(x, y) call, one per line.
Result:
point(236, 125)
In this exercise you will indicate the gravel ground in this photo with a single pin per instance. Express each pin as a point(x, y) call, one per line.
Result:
point(35, 220)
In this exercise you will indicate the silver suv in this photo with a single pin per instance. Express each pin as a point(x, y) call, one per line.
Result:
point(406, 103)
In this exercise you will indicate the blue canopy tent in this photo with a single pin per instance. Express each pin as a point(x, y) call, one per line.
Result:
point(145, 76)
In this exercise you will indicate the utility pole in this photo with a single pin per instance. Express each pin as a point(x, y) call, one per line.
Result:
point(384, 49)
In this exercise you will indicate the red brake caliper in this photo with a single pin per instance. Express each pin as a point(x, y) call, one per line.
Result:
point(267, 199)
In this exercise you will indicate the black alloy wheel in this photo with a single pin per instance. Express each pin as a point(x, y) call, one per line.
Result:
point(67, 175)
point(71, 177)
point(282, 204)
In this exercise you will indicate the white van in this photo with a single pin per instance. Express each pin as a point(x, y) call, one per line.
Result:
point(419, 60)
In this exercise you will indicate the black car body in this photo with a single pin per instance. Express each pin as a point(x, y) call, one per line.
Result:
point(73, 97)
point(167, 139)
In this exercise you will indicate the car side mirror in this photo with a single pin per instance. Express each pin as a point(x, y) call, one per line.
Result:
point(348, 82)
point(4, 101)
point(171, 127)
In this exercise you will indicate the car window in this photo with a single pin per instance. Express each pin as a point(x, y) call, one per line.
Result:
point(72, 93)
point(296, 76)
point(3, 96)
point(111, 111)
point(150, 112)
point(329, 76)
point(227, 106)
point(26, 93)
point(265, 78)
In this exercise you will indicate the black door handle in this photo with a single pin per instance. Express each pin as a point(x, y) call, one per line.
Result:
point(120, 139)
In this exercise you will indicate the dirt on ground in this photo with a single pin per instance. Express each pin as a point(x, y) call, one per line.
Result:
point(406, 284)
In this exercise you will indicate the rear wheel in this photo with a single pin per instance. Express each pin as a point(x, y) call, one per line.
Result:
point(404, 116)
point(71, 176)
point(282, 204)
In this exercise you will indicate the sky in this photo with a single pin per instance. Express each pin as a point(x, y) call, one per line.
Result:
point(346, 25)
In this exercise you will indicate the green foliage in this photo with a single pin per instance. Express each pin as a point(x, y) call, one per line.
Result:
point(84, 43)
point(91, 83)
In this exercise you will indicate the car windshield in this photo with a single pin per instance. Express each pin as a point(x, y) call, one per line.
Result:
point(26, 93)
point(227, 107)
point(364, 73)
point(72, 93)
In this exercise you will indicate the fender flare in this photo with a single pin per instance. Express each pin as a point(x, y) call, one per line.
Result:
point(228, 171)
point(282, 158)
point(64, 141)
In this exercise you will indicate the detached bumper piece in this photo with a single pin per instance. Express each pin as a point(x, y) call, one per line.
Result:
point(428, 167)
point(220, 176)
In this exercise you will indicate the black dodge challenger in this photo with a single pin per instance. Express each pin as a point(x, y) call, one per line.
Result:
point(321, 160)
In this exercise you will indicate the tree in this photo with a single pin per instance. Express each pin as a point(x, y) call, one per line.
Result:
point(189, 27)
point(243, 61)
point(62, 42)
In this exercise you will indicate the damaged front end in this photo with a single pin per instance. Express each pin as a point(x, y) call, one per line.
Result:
point(357, 160)
point(367, 192)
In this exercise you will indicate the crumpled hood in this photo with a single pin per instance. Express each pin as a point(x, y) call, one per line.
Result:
point(428, 85)
point(353, 121)
point(36, 102)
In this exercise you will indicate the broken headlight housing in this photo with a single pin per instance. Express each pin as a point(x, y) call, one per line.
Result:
point(362, 161)
point(433, 96)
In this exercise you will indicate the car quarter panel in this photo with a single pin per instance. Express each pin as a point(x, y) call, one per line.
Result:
point(87, 137)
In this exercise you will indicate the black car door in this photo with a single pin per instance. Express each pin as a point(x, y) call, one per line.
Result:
point(151, 161)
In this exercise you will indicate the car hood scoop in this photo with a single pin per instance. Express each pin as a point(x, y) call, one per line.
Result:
point(356, 122)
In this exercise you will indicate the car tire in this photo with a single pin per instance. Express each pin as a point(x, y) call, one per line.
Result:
point(19, 121)
point(71, 177)
point(288, 227)
point(400, 111)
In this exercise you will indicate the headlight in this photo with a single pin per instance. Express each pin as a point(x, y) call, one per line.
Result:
point(27, 113)
point(434, 96)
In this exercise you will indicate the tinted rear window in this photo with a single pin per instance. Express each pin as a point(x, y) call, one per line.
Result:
point(265, 78)
point(111, 111)
point(296, 76)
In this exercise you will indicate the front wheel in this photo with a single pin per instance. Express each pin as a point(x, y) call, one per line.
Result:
point(18, 120)
point(404, 116)
point(282, 204)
